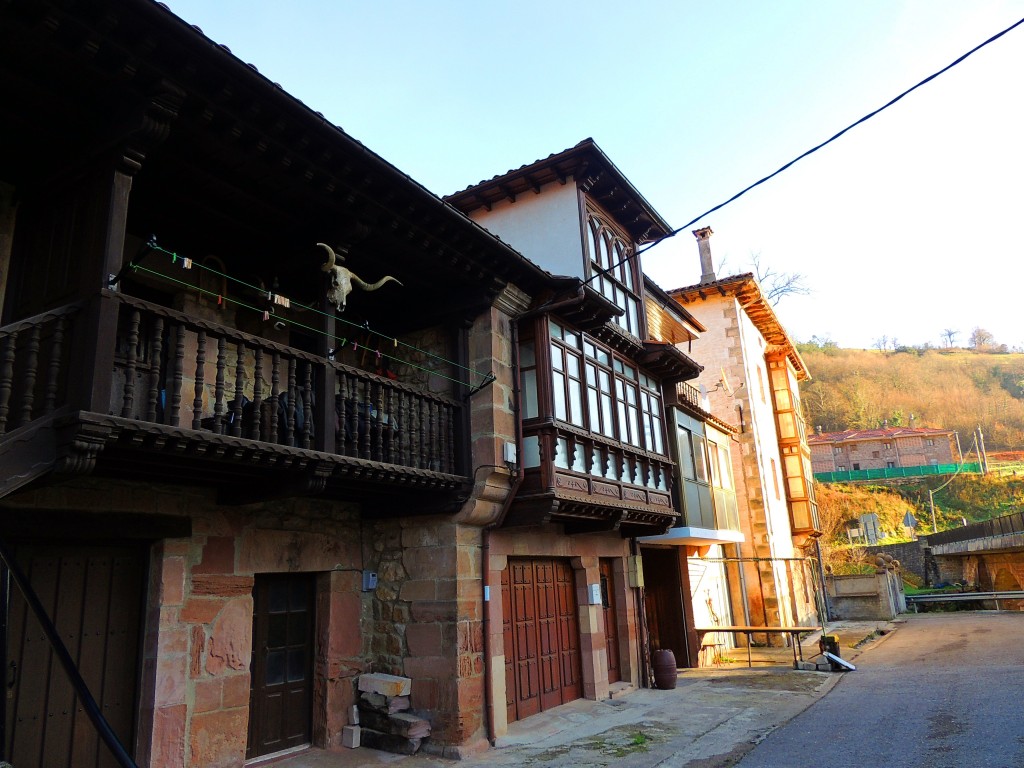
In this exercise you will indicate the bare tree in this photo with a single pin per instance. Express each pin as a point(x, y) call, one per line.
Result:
point(981, 339)
point(777, 285)
point(949, 336)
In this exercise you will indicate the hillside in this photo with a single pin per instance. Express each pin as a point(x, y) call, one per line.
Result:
point(948, 388)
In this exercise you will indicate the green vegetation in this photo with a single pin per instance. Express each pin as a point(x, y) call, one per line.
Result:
point(943, 388)
point(968, 498)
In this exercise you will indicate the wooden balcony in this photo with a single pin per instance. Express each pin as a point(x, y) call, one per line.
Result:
point(589, 482)
point(131, 389)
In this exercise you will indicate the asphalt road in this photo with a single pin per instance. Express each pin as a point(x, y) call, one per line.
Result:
point(944, 691)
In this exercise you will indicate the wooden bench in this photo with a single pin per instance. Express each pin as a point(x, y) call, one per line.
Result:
point(750, 631)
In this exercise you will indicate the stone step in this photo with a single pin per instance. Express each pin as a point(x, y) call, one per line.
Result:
point(376, 702)
point(386, 685)
point(400, 724)
point(387, 742)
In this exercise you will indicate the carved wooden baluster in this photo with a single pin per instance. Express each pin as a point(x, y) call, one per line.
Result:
point(435, 443)
point(128, 401)
point(416, 460)
point(307, 406)
point(341, 405)
point(236, 411)
point(31, 368)
point(179, 369)
point(352, 434)
point(450, 437)
point(154, 368)
point(6, 378)
point(257, 395)
point(378, 423)
point(366, 406)
point(292, 410)
point(404, 431)
point(275, 391)
point(197, 401)
point(392, 428)
point(219, 406)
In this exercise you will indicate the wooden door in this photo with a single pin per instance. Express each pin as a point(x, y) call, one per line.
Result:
point(281, 688)
point(94, 596)
point(611, 622)
point(542, 658)
point(663, 601)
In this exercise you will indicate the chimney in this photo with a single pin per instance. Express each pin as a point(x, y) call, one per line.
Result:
point(707, 268)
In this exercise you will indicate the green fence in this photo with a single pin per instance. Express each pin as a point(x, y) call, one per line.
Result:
point(889, 473)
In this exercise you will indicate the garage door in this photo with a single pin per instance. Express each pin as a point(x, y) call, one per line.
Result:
point(93, 594)
point(542, 638)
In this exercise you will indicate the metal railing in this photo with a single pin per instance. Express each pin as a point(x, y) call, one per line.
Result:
point(997, 526)
point(960, 597)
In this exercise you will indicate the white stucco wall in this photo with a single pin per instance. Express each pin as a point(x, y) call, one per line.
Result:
point(544, 227)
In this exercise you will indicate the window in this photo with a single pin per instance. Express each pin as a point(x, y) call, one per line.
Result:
point(929, 442)
point(875, 454)
point(836, 449)
point(612, 262)
point(890, 465)
point(887, 446)
point(595, 390)
point(856, 466)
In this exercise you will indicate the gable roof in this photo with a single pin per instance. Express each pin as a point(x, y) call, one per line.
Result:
point(746, 290)
point(587, 164)
point(884, 433)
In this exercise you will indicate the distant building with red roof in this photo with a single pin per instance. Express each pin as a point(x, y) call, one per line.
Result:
point(888, 447)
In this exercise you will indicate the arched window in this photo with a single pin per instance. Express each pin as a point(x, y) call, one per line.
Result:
point(613, 270)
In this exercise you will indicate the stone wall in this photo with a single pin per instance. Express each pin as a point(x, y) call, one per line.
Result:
point(197, 646)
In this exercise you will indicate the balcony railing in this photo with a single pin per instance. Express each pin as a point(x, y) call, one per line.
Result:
point(175, 370)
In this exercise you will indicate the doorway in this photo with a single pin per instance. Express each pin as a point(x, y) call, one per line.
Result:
point(281, 673)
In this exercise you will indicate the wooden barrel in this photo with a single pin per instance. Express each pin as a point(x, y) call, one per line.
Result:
point(665, 672)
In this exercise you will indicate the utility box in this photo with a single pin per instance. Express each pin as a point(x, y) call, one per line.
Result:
point(635, 571)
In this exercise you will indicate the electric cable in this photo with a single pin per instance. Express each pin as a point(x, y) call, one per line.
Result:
point(811, 151)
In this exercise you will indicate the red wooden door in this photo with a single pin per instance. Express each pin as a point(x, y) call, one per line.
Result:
point(542, 660)
point(611, 624)
point(281, 692)
point(94, 596)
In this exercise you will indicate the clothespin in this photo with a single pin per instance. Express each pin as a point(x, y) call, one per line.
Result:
point(174, 258)
point(220, 299)
point(378, 354)
point(186, 263)
point(355, 346)
point(266, 316)
point(396, 343)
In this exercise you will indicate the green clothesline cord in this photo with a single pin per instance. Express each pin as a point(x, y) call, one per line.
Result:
point(174, 257)
point(343, 340)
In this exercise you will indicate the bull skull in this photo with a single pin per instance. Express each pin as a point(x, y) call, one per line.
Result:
point(342, 279)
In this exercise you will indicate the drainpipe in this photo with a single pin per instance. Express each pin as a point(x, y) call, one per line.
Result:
point(485, 555)
point(517, 481)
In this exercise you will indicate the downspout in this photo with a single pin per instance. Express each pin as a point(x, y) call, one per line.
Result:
point(517, 481)
point(485, 555)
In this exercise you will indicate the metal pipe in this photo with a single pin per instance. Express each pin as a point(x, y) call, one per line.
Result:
point(485, 549)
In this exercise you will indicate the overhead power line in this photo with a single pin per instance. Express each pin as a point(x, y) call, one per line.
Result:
point(811, 151)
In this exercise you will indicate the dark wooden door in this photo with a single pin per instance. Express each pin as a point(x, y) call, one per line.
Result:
point(281, 693)
point(94, 596)
point(611, 622)
point(541, 636)
point(667, 604)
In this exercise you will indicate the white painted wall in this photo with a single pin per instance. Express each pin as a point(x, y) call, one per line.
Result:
point(545, 227)
point(709, 597)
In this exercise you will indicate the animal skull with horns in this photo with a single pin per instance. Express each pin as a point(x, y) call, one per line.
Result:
point(342, 279)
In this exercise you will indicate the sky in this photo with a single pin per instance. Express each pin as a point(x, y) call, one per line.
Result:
point(909, 225)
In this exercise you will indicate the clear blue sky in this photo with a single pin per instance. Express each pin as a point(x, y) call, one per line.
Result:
point(908, 225)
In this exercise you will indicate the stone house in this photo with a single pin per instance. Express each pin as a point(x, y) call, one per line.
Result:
point(691, 558)
point(884, 448)
point(246, 497)
point(239, 494)
point(597, 467)
point(750, 378)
